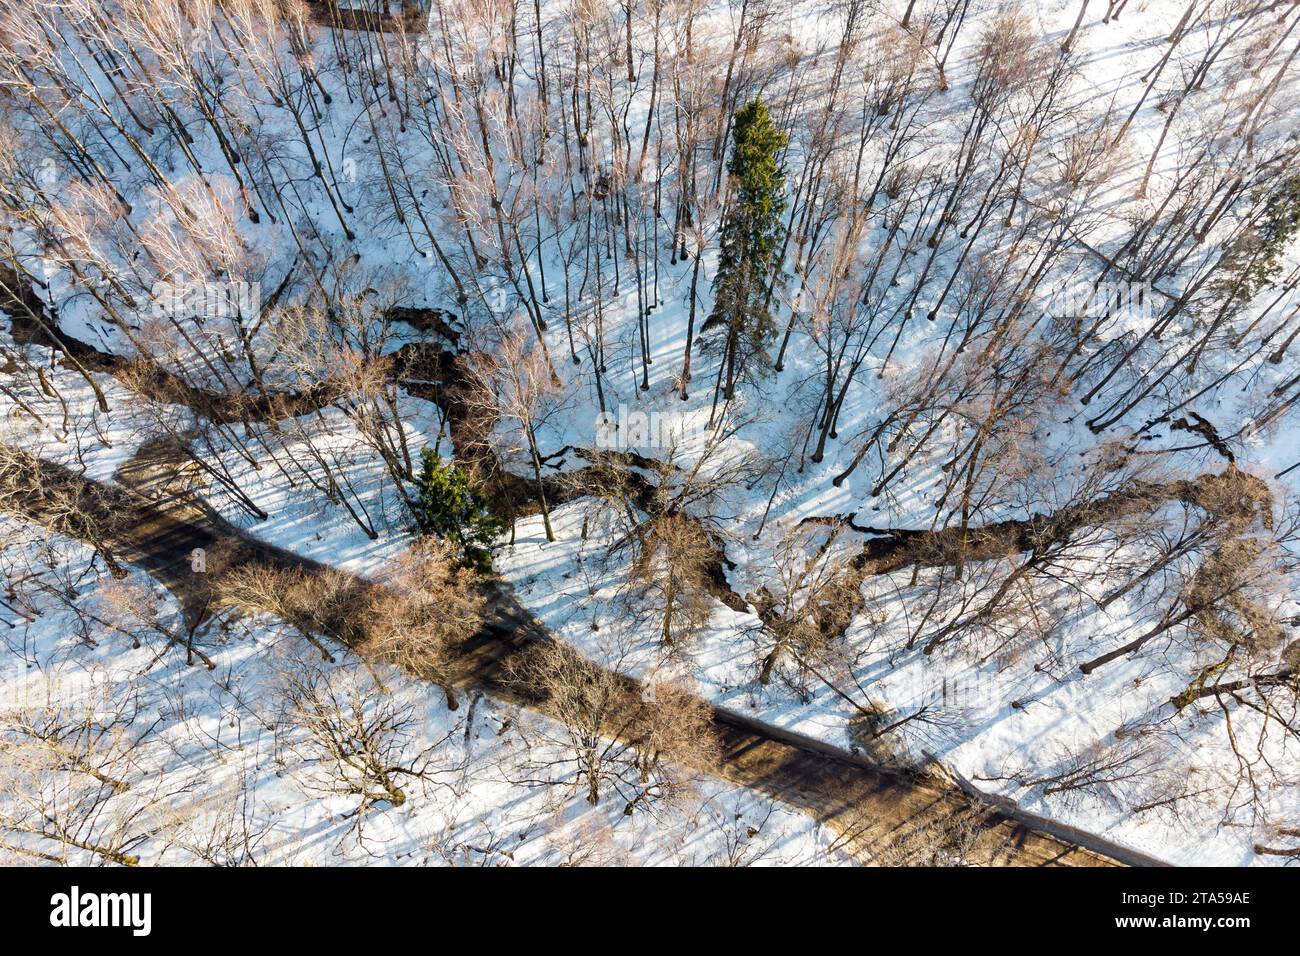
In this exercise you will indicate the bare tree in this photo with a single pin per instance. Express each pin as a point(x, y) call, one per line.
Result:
point(358, 743)
point(612, 736)
point(430, 603)
point(71, 788)
point(516, 388)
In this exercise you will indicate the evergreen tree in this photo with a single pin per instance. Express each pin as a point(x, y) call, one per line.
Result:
point(1254, 260)
point(445, 505)
point(752, 231)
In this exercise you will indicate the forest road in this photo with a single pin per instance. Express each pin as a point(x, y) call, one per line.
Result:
point(876, 813)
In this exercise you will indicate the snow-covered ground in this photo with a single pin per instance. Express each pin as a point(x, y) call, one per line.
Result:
point(217, 771)
point(998, 717)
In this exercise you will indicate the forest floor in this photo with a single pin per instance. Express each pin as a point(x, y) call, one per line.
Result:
point(197, 462)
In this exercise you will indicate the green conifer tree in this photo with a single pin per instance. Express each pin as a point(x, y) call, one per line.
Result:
point(752, 232)
point(445, 505)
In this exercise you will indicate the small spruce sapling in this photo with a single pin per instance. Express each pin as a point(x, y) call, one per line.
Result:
point(445, 505)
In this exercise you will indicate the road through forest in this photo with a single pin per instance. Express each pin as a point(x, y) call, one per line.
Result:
point(874, 810)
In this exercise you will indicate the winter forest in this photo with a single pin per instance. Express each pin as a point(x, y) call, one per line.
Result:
point(650, 432)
